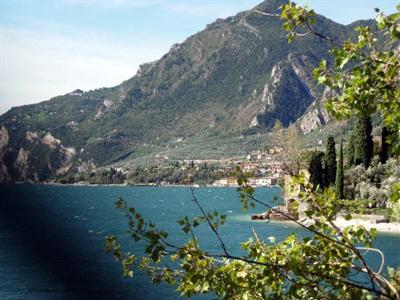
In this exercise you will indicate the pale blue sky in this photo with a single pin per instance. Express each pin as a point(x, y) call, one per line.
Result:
point(48, 48)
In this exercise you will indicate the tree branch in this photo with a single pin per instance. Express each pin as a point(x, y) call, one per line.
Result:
point(209, 222)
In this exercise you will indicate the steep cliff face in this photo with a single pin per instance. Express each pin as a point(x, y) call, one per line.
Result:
point(39, 157)
point(4, 176)
point(316, 115)
point(289, 92)
point(237, 73)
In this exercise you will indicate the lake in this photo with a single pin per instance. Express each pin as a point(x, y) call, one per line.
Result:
point(52, 237)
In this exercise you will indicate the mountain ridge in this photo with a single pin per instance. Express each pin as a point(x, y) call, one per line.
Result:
point(237, 74)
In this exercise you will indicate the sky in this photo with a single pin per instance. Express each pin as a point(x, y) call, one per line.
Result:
point(50, 48)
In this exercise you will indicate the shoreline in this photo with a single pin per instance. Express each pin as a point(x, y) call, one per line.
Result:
point(390, 227)
point(365, 221)
point(195, 185)
point(387, 228)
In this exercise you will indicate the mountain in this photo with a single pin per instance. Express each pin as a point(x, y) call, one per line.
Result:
point(236, 77)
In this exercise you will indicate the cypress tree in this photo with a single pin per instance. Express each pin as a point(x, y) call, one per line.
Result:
point(350, 149)
point(339, 186)
point(316, 169)
point(330, 161)
point(363, 145)
point(384, 155)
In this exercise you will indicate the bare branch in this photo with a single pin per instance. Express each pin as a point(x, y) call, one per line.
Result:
point(209, 222)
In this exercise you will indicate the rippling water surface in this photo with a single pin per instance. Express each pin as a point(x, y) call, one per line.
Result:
point(52, 237)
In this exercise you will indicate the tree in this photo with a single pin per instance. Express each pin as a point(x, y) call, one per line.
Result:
point(339, 185)
point(350, 150)
point(363, 145)
point(291, 146)
point(384, 155)
point(321, 265)
point(330, 161)
point(316, 169)
point(367, 75)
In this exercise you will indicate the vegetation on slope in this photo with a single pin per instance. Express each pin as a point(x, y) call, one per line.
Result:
point(236, 76)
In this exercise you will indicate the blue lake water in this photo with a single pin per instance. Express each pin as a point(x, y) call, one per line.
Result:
point(52, 237)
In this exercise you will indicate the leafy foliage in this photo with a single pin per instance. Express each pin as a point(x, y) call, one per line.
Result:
point(372, 185)
point(368, 75)
point(319, 266)
point(316, 266)
point(102, 176)
point(176, 174)
point(290, 142)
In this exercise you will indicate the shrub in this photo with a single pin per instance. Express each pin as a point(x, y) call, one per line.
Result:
point(373, 184)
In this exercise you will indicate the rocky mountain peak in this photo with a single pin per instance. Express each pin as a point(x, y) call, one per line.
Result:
point(271, 6)
point(237, 73)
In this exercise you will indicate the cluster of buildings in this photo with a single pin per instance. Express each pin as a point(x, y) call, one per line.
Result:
point(264, 167)
point(253, 181)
